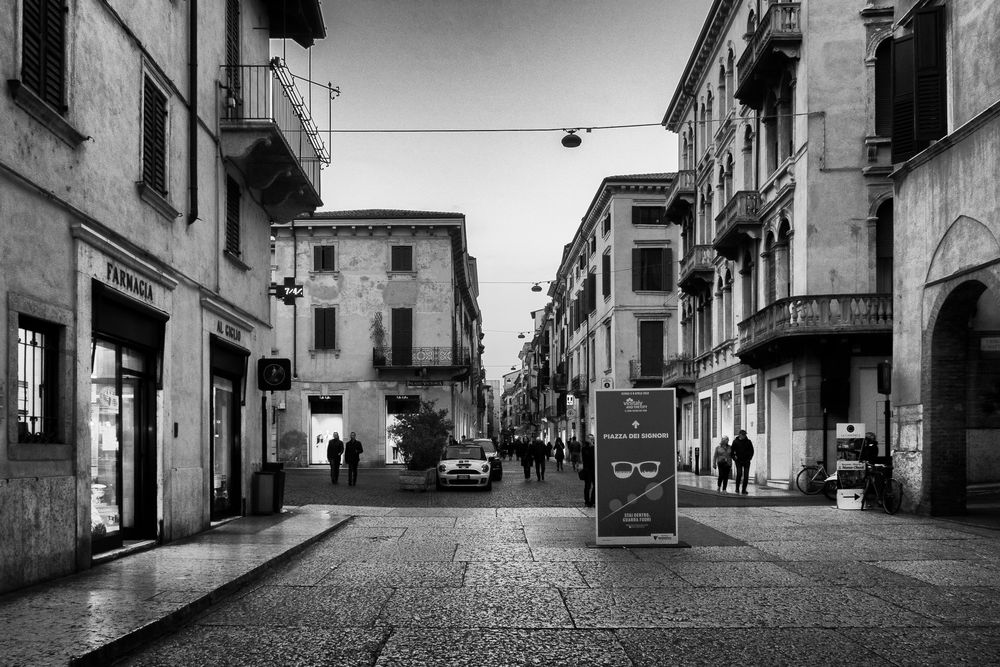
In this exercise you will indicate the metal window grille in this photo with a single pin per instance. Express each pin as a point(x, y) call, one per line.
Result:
point(36, 382)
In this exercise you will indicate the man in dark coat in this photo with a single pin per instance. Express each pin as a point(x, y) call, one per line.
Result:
point(742, 454)
point(537, 452)
point(352, 455)
point(587, 470)
point(334, 448)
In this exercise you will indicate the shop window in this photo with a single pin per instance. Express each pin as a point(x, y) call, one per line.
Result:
point(401, 258)
point(649, 215)
point(37, 381)
point(325, 328)
point(324, 258)
point(651, 269)
point(233, 200)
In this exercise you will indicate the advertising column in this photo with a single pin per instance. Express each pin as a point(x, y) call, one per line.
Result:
point(636, 467)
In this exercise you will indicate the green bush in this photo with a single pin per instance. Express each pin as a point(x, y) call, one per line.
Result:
point(422, 435)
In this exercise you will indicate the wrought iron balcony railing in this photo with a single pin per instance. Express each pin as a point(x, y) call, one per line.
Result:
point(696, 268)
point(399, 357)
point(815, 315)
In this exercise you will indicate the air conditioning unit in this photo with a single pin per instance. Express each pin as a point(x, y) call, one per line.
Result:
point(607, 383)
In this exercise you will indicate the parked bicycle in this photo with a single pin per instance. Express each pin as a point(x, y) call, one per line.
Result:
point(813, 479)
point(880, 484)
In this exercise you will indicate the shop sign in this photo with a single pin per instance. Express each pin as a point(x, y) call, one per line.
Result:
point(636, 468)
point(989, 343)
point(129, 282)
point(228, 331)
point(425, 383)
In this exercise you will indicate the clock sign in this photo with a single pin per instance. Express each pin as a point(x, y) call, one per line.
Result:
point(274, 374)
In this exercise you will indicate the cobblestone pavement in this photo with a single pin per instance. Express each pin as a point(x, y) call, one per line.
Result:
point(518, 582)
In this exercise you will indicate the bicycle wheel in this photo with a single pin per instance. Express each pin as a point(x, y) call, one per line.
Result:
point(892, 496)
point(807, 481)
point(830, 489)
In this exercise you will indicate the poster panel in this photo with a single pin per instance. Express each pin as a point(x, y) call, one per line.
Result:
point(636, 466)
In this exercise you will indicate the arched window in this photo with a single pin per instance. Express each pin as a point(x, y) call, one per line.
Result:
point(723, 93)
point(748, 280)
point(748, 164)
point(883, 249)
point(770, 121)
point(770, 277)
point(883, 89)
point(727, 189)
point(751, 24)
point(709, 126)
point(730, 90)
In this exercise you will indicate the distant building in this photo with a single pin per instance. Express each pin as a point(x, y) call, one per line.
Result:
point(388, 318)
point(141, 166)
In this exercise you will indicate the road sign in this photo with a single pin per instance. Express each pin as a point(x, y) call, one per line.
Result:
point(287, 291)
point(636, 466)
point(274, 374)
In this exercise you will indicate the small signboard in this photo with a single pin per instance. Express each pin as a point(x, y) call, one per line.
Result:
point(846, 430)
point(849, 499)
point(636, 467)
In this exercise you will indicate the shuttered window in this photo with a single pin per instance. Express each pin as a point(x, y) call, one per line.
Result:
point(325, 328)
point(883, 89)
point(591, 290)
point(43, 50)
point(324, 258)
point(649, 215)
point(154, 137)
point(918, 85)
point(606, 275)
point(651, 269)
point(232, 217)
point(402, 258)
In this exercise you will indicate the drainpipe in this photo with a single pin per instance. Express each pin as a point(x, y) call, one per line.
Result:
point(193, 111)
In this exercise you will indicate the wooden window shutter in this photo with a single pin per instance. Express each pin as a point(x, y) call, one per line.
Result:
point(903, 147)
point(232, 217)
point(606, 275)
point(232, 33)
point(319, 329)
point(43, 52)
point(636, 267)
point(591, 292)
point(929, 99)
point(331, 327)
point(883, 89)
point(666, 269)
point(154, 138)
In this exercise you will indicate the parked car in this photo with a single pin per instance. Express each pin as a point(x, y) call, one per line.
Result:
point(496, 461)
point(464, 464)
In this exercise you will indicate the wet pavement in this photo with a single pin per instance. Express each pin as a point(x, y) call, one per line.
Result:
point(441, 582)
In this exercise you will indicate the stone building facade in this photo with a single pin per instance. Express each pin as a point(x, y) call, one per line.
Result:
point(141, 166)
point(388, 318)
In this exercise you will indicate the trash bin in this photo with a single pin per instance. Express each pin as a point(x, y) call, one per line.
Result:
point(277, 469)
point(850, 484)
point(263, 493)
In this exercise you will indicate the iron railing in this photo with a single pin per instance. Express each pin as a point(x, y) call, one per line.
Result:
point(267, 93)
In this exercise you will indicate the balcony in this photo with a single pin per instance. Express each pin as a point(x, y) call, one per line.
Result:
point(775, 41)
point(806, 319)
point(737, 219)
point(299, 20)
point(696, 269)
point(580, 385)
point(680, 197)
point(268, 134)
point(640, 372)
point(680, 372)
point(454, 362)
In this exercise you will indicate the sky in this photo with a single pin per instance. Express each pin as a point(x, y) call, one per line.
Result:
point(496, 64)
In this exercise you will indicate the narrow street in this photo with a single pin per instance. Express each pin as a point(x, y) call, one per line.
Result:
point(511, 577)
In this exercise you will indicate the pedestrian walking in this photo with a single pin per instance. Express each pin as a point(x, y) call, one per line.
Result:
point(574, 452)
point(560, 453)
point(352, 455)
point(587, 470)
point(742, 453)
point(723, 461)
point(537, 453)
point(524, 452)
point(334, 448)
point(548, 450)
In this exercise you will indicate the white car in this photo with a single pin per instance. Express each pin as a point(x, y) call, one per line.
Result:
point(464, 465)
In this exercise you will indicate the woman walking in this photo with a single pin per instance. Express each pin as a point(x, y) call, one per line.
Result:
point(723, 460)
point(560, 453)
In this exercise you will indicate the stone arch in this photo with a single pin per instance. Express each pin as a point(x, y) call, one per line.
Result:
point(968, 243)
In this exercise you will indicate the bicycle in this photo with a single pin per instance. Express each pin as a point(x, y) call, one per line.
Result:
point(888, 492)
point(813, 479)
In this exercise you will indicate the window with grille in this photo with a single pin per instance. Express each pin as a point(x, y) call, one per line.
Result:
point(154, 137)
point(232, 217)
point(324, 258)
point(43, 50)
point(402, 258)
point(37, 380)
point(325, 325)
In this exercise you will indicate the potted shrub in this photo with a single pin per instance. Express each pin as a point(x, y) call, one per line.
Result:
point(420, 437)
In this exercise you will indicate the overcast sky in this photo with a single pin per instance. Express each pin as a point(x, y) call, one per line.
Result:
point(490, 64)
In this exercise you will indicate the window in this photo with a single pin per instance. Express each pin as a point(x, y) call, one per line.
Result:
point(593, 244)
point(607, 345)
point(606, 275)
point(606, 225)
point(918, 82)
point(651, 270)
point(883, 249)
point(43, 51)
point(154, 137)
point(883, 89)
point(325, 323)
point(590, 288)
point(402, 258)
point(37, 381)
point(649, 215)
point(324, 258)
point(232, 217)
point(581, 263)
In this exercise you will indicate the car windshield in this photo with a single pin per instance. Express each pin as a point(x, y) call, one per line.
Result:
point(464, 452)
point(486, 444)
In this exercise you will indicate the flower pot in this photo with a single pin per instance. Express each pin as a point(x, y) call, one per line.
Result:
point(417, 480)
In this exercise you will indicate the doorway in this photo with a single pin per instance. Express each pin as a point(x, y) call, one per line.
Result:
point(706, 436)
point(779, 442)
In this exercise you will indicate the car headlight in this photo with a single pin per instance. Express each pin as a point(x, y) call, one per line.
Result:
point(486, 467)
point(442, 468)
